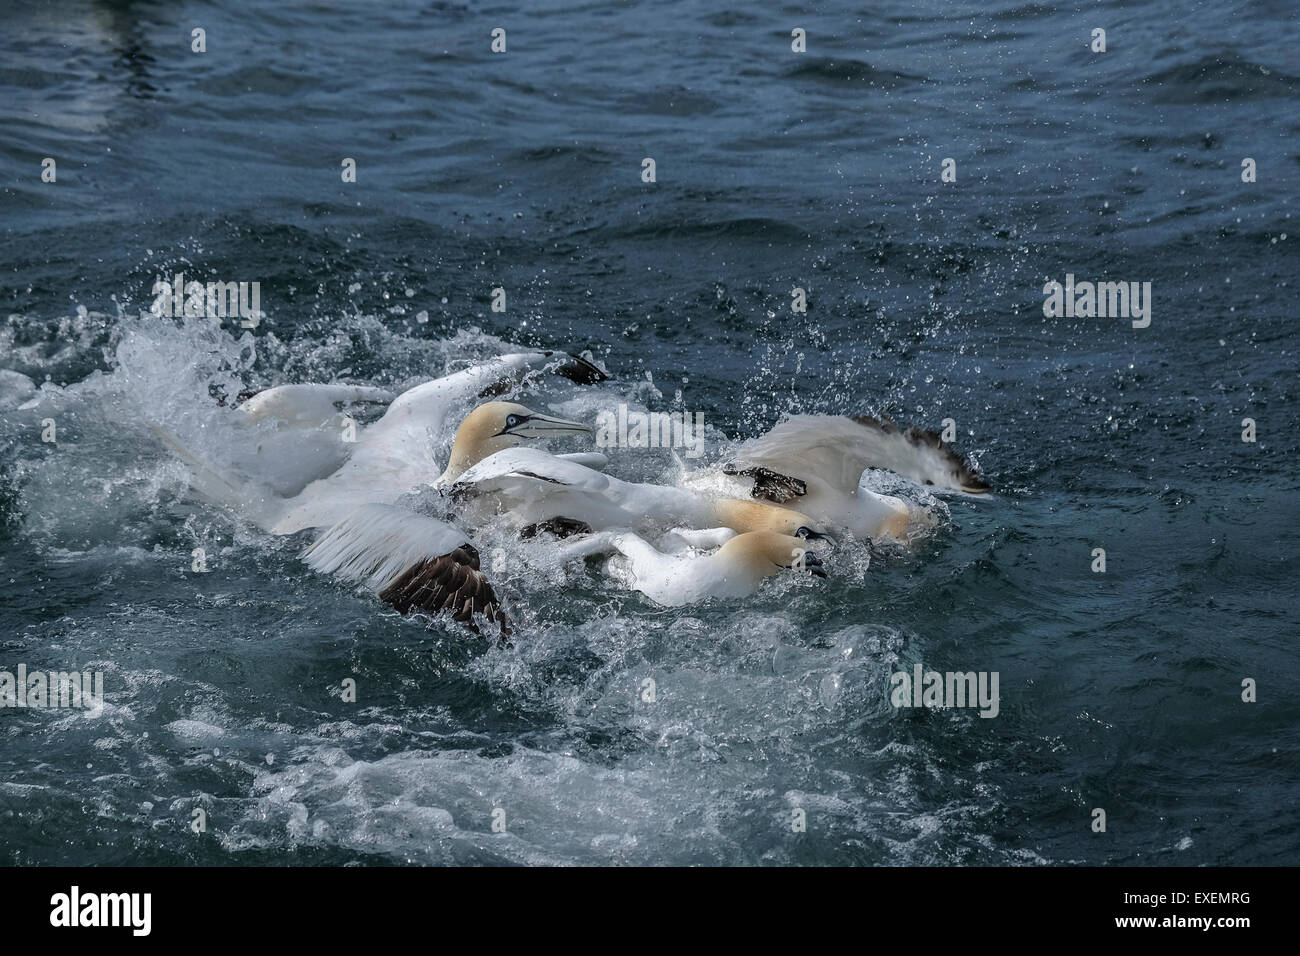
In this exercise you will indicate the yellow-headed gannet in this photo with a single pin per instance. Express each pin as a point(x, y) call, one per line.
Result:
point(734, 570)
point(533, 487)
point(394, 456)
point(497, 426)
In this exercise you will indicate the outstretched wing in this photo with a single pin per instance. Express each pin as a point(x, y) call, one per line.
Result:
point(412, 561)
point(390, 459)
point(394, 456)
point(836, 449)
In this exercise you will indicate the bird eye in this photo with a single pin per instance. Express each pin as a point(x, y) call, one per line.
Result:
point(803, 532)
point(512, 421)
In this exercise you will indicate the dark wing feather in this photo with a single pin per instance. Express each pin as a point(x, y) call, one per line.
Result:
point(575, 368)
point(560, 527)
point(966, 475)
point(770, 485)
point(451, 582)
point(581, 370)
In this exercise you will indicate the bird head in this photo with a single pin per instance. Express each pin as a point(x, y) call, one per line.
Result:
point(496, 426)
point(767, 552)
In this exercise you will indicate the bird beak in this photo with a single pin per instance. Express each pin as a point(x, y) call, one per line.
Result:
point(813, 564)
point(546, 426)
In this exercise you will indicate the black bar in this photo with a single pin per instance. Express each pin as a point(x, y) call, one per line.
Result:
point(301, 905)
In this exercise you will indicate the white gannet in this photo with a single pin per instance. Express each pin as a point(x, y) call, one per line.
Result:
point(394, 456)
point(412, 561)
point(815, 463)
point(734, 570)
point(532, 487)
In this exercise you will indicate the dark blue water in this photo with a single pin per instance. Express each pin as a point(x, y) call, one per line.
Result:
point(775, 170)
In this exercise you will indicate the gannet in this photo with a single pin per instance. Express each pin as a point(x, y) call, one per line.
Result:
point(734, 570)
point(815, 463)
point(392, 457)
point(412, 561)
point(496, 426)
point(532, 487)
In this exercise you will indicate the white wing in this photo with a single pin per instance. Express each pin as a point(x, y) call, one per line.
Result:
point(376, 543)
point(295, 434)
point(592, 459)
point(836, 449)
point(518, 469)
point(392, 458)
point(412, 561)
point(531, 486)
point(534, 486)
point(310, 404)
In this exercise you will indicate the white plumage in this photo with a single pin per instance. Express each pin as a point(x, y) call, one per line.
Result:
point(390, 459)
point(837, 449)
point(375, 544)
point(816, 463)
point(291, 435)
point(735, 570)
point(530, 486)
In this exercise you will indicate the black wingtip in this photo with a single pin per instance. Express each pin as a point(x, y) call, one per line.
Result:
point(560, 527)
point(768, 485)
point(218, 393)
point(451, 583)
point(580, 369)
point(968, 479)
